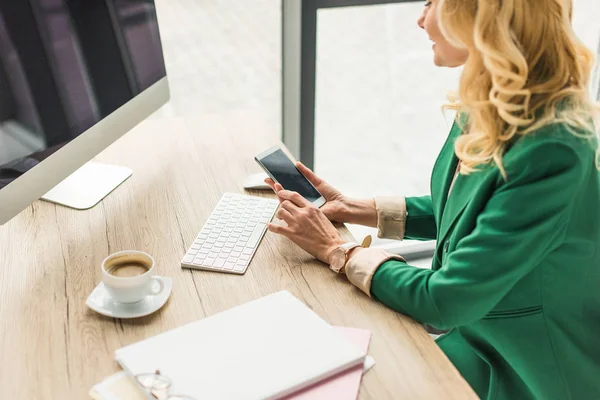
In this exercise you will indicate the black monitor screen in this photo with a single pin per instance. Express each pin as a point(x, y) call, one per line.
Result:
point(65, 65)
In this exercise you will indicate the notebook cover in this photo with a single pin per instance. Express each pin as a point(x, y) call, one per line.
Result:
point(343, 386)
point(264, 349)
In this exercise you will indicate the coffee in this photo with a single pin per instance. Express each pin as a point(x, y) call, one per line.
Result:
point(128, 265)
point(128, 269)
point(130, 276)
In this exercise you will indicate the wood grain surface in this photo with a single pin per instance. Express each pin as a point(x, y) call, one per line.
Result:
point(53, 347)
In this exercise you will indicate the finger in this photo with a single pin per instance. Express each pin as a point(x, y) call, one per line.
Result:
point(289, 207)
point(279, 229)
point(278, 187)
point(309, 174)
point(270, 182)
point(284, 215)
point(294, 197)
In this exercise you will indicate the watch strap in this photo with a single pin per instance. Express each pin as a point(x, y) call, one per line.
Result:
point(349, 246)
point(346, 247)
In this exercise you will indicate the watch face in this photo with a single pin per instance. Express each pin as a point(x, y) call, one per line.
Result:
point(338, 259)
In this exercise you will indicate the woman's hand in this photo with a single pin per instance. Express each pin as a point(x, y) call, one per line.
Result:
point(307, 226)
point(338, 207)
point(335, 207)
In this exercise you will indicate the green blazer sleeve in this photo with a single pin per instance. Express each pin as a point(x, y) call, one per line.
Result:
point(420, 220)
point(522, 222)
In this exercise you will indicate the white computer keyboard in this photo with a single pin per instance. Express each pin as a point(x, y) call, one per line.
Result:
point(231, 235)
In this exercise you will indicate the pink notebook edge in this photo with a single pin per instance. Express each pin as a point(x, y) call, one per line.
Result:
point(344, 384)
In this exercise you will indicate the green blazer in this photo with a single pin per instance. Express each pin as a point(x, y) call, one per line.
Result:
point(516, 273)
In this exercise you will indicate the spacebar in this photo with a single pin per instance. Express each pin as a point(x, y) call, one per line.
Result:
point(256, 235)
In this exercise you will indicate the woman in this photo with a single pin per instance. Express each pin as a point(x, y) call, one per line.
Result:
point(514, 206)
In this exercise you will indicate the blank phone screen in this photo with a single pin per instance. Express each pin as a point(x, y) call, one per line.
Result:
point(286, 173)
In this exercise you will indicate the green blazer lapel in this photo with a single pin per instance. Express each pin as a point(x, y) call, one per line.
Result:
point(443, 173)
point(458, 199)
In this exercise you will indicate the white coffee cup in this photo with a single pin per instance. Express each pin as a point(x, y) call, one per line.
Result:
point(129, 276)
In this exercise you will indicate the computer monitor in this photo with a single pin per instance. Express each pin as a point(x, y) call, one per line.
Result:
point(75, 75)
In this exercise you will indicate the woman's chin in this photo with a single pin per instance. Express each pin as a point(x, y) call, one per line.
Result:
point(441, 62)
point(448, 62)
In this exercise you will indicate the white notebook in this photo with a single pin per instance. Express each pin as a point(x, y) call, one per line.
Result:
point(263, 349)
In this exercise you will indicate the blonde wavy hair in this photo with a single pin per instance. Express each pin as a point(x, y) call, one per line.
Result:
point(526, 69)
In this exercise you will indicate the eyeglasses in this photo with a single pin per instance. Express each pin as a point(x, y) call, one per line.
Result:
point(158, 386)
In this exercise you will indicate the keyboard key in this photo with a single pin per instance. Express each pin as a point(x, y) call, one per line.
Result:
point(239, 267)
point(219, 263)
point(256, 235)
point(247, 251)
point(228, 265)
point(209, 262)
point(188, 258)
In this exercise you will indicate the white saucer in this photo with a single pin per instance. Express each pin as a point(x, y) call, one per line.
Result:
point(102, 303)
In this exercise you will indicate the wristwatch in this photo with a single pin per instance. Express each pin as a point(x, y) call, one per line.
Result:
point(339, 256)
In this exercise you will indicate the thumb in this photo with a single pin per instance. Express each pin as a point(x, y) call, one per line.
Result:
point(307, 172)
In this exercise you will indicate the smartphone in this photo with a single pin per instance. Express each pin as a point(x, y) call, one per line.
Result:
point(283, 171)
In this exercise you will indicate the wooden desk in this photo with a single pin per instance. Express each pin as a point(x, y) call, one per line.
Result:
point(53, 347)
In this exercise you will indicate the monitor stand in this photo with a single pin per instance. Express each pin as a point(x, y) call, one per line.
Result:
point(88, 185)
